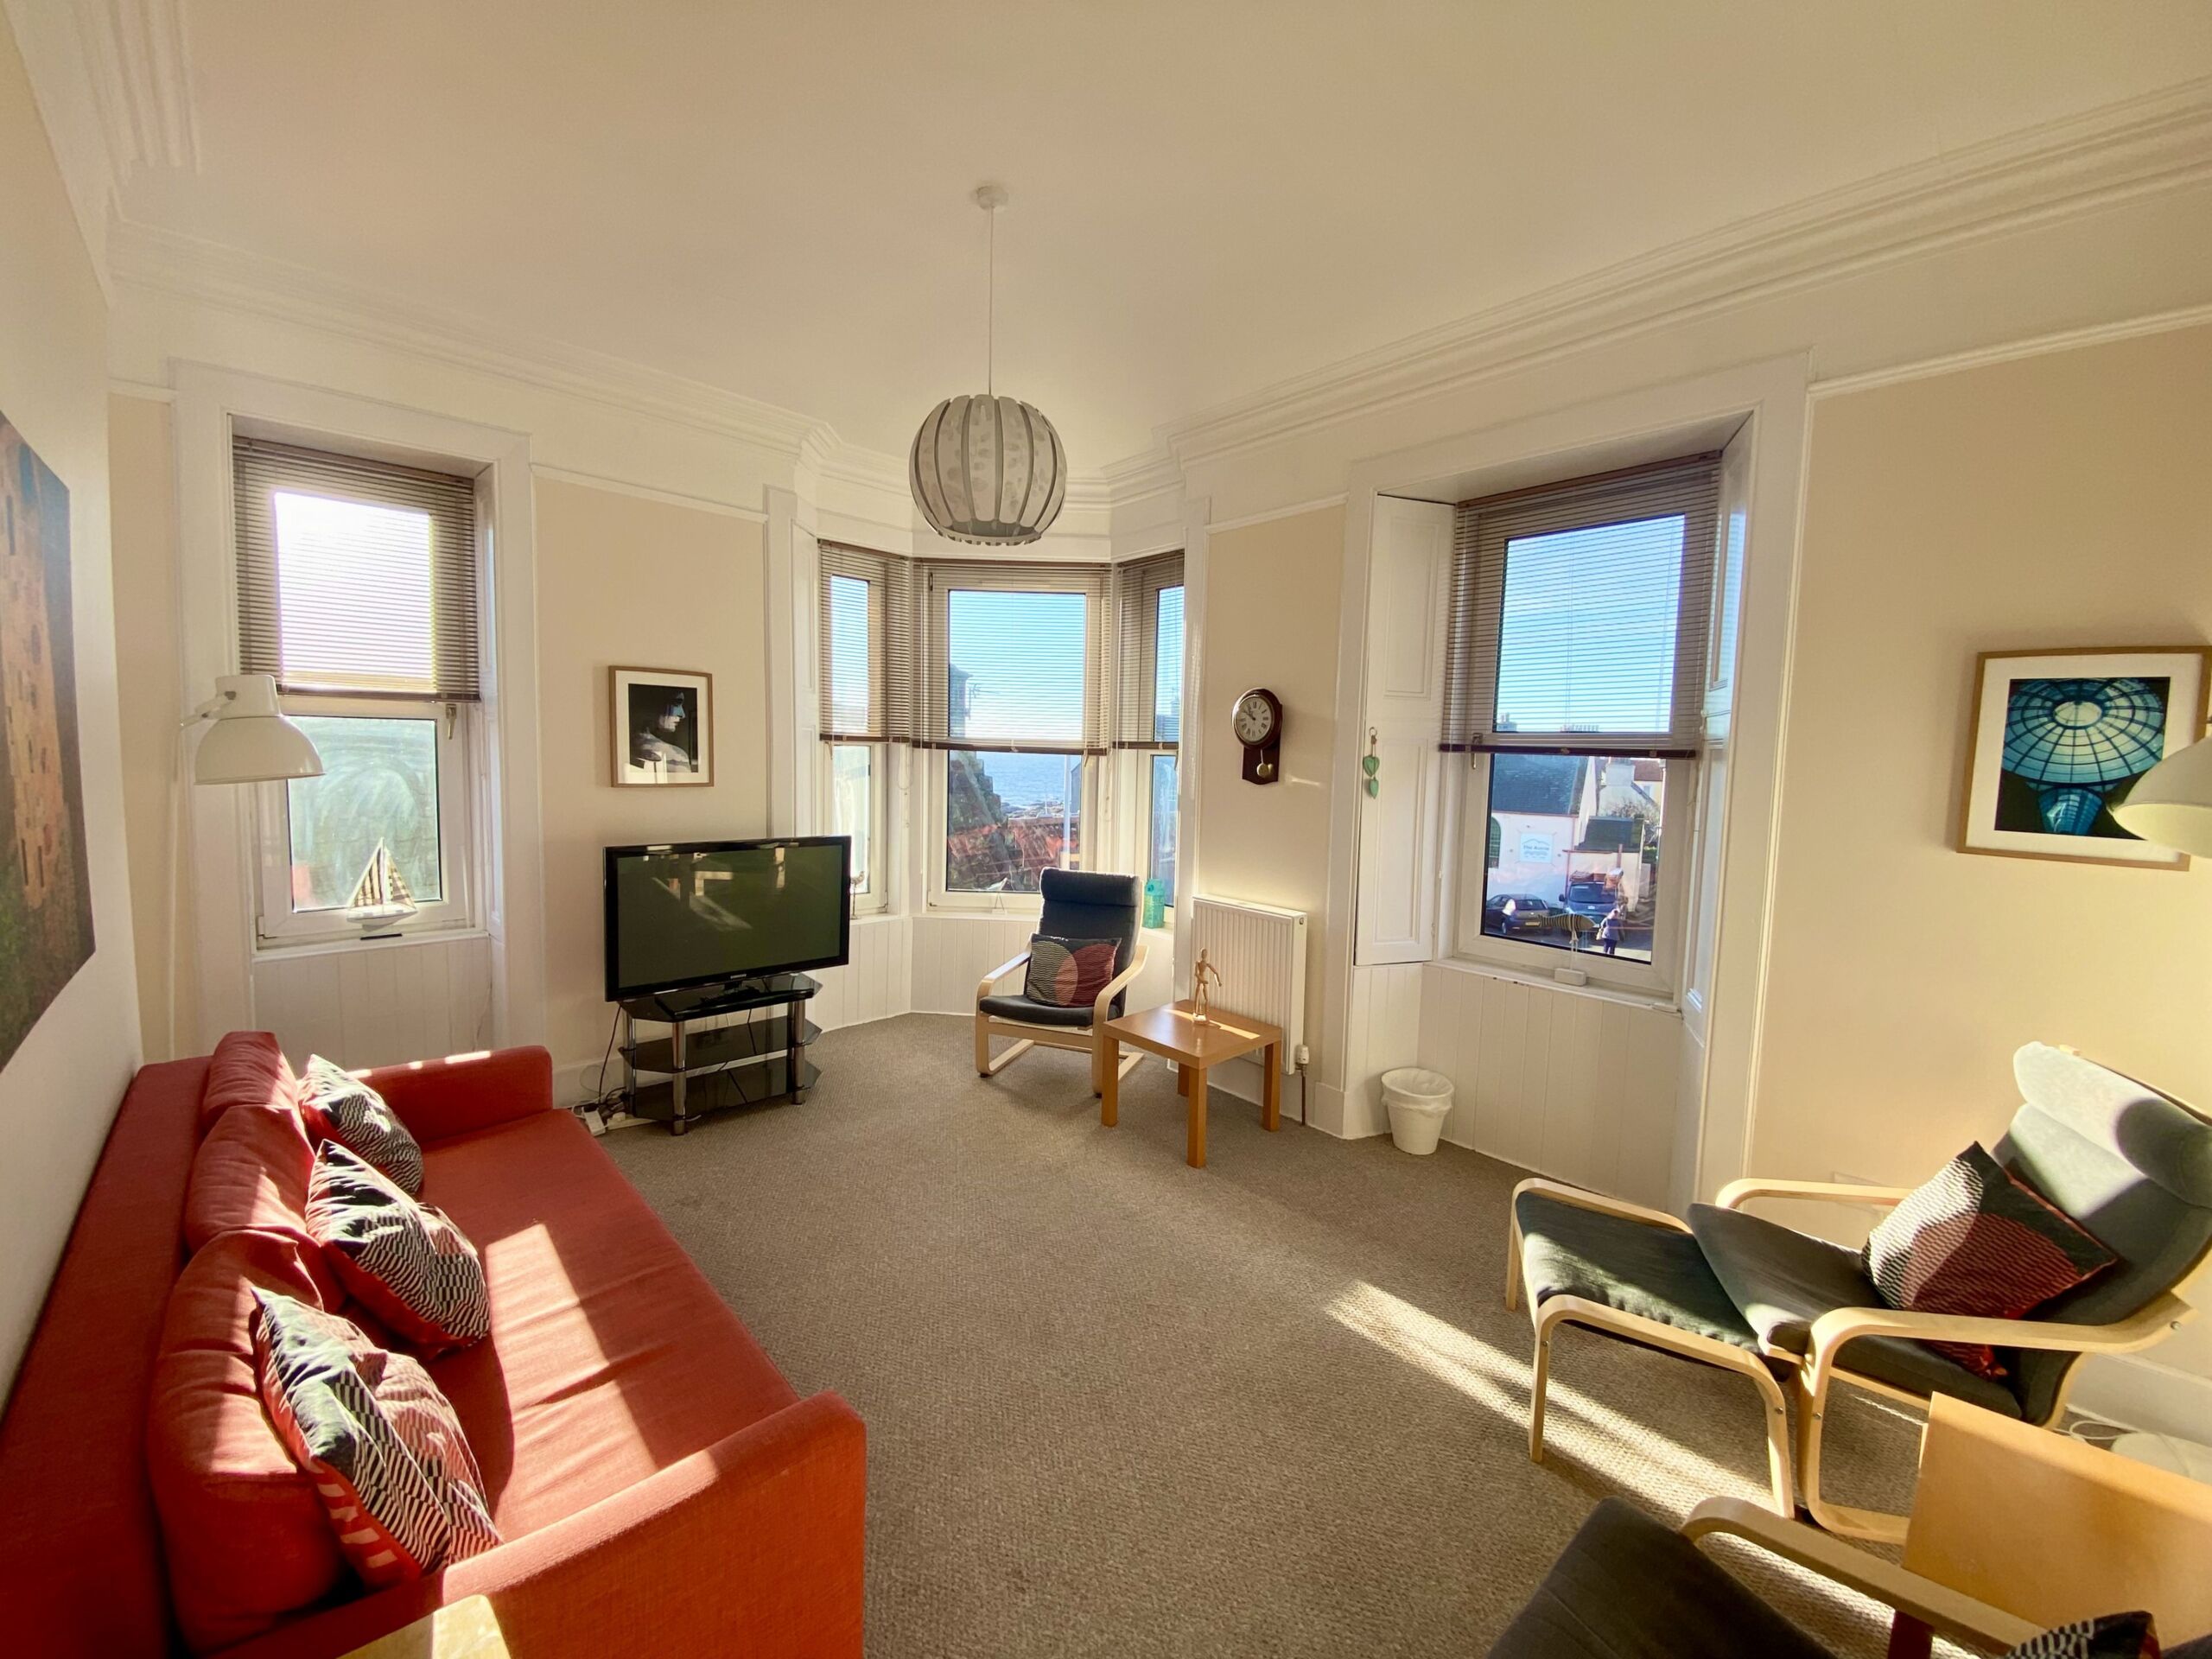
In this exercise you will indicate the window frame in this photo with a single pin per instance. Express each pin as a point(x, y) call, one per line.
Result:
point(874, 898)
point(1038, 578)
point(278, 926)
point(1147, 762)
point(1467, 883)
point(1614, 498)
point(942, 897)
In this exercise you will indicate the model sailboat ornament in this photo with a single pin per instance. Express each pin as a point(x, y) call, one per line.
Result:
point(381, 896)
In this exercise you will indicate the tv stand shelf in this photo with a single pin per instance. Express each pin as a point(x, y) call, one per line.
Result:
point(680, 1078)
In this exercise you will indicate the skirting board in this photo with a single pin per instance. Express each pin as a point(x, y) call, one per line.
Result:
point(1324, 1104)
point(2138, 1393)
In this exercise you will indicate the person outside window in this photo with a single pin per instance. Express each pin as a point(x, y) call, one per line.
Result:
point(1609, 931)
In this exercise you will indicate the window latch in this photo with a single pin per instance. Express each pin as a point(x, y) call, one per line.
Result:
point(452, 712)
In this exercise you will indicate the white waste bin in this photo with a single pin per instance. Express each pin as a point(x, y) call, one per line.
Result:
point(1418, 1101)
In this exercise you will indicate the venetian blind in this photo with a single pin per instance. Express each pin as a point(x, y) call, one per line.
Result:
point(866, 636)
point(355, 577)
point(1013, 656)
point(1581, 614)
point(1148, 700)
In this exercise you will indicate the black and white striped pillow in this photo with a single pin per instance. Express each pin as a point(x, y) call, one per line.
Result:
point(2115, 1636)
point(401, 1259)
point(344, 1109)
point(378, 1438)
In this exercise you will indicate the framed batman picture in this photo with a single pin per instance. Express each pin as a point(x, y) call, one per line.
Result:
point(663, 721)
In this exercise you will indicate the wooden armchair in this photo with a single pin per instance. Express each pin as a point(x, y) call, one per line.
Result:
point(1078, 905)
point(1789, 1311)
point(1626, 1584)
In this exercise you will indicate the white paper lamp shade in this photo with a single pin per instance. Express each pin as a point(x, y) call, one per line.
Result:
point(251, 742)
point(988, 470)
point(2172, 804)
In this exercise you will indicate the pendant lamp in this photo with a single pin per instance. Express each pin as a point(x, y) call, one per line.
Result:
point(984, 468)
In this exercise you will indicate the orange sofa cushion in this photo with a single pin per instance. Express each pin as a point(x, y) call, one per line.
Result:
point(248, 1541)
point(611, 1355)
point(247, 1069)
point(250, 1173)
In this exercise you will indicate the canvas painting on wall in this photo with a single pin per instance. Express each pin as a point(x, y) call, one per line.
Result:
point(46, 890)
point(2060, 737)
point(663, 721)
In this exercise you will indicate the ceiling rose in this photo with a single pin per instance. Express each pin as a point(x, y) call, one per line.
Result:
point(988, 469)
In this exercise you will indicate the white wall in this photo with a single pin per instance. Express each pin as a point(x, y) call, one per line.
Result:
point(59, 1091)
point(2059, 499)
point(1570, 1083)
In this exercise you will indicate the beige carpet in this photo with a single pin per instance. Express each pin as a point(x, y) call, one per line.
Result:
point(1118, 1406)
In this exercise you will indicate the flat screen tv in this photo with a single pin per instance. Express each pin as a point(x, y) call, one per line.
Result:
point(705, 913)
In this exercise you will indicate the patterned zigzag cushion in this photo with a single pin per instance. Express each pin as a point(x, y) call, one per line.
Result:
point(401, 1258)
point(1069, 973)
point(2115, 1636)
point(377, 1438)
point(1977, 1240)
point(345, 1110)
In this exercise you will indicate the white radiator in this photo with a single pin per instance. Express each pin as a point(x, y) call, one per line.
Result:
point(1259, 952)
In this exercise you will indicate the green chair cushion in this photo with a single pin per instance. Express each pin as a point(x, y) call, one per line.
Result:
point(1780, 1280)
point(1627, 1587)
point(1656, 1273)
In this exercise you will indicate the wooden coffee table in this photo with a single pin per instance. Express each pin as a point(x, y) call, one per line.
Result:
point(1169, 1031)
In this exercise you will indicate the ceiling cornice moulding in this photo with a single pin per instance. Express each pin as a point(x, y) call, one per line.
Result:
point(2158, 142)
point(209, 273)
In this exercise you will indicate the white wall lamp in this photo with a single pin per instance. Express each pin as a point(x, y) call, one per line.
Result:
point(250, 741)
point(2172, 804)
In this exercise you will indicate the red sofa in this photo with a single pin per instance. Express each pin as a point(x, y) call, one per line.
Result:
point(659, 1487)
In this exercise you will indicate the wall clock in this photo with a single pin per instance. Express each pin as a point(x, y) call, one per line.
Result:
point(1257, 721)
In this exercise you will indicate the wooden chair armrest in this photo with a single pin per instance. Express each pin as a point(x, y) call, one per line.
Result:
point(1733, 1196)
point(1949, 1613)
point(1102, 1010)
point(1833, 1329)
point(999, 973)
point(1584, 1199)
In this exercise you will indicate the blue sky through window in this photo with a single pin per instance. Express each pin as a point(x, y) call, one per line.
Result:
point(848, 675)
point(1167, 667)
point(1586, 641)
point(1022, 654)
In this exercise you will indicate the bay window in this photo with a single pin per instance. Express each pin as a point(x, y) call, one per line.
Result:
point(1579, 634)
point(998, 718)
point(866, 705)
point(358, 584)
point(1149, 716)
point(1013, 714)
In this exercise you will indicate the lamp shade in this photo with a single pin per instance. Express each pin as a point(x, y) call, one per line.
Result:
point(251, 742)
point(2172, 804)
point(988, 470)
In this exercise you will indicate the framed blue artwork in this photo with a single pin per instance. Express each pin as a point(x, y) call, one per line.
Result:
point(2059, 737)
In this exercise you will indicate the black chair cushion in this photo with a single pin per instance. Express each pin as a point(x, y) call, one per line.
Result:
point(2132, 1166)
point(1781, 1281)
point(1627, 1587)
point(1657, 1273)
point(1036, 1014)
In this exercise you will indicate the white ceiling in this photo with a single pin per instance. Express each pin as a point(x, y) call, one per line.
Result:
point(1208, 195)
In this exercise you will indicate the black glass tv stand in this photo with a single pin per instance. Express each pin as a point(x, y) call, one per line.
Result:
point(695, 1070)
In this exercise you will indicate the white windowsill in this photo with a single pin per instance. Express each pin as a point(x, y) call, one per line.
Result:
point(280, 951)
point(1653, 1001)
